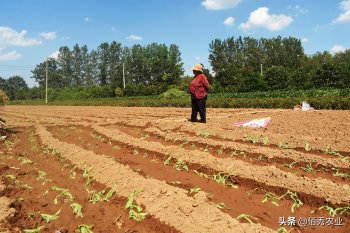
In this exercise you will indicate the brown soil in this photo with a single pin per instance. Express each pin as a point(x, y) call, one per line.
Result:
point(128, 147)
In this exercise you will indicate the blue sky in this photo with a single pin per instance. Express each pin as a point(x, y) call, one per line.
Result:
point(31, 30)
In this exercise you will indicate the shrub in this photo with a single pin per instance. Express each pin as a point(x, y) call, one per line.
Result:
point(173, 93)
point(118, 92)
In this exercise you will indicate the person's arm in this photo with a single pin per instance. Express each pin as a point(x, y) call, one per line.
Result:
point(205, 83)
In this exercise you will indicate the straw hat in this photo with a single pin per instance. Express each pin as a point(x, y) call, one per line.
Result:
point(198, 67)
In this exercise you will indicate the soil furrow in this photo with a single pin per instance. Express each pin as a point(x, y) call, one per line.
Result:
point(159, 198)
point(269, 175)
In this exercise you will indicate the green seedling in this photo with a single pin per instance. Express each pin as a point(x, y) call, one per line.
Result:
point(251, 139)
point(11, 177)
point(64, 193)
point(339, 174)
point(135, 211)
point(25, 186)
point(282, 230)
point(180, 165)
point(77, 209)
point(274, 198)
point(36, 230)
point(283, 145)
point(236, 153)
point(19, 199)
point(221, 206)
point(207, 148)
point(135, 152)
point(247, 217)
point(167, 161)
point(201, 174)
point(31, 215)
point(290, 166)
point(84, 228)
point(308, 168)
point(25, 160)
point(333, 211)
point(307, 147)
point(195, 190)
point(48, 218)
point(72, 172)
point(265, 141)
point(42, 176)
point(101, 196)
point(220, 151)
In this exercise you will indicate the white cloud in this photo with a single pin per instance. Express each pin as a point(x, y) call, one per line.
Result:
point(304, 40)
point(337, 48)
point(54, 55)
point(9, 37)
point(344, 17)
point(220, 4)
point(87, 19)
point(229, 21)
point(11, 56)
point(261, 19)
point(48, 35)
point(298, 10)
point(134, 37)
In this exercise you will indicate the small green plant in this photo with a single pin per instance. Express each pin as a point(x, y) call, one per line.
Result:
point(11, 177)
point(101, 196)
point(42, 176)
point(220, 151)
point(274, 198)
point(135, 211)
point(36, 230)
point(265, 141)
point(72, 172)
point(290, 166)
point(307, 147)
point(207, 148)
point(221, 206)
point(135, 152)
point(201, 174)
point(236, 153)
point(339, 174)
point(77, 209)
point(195, 190)
point(282, 230)
point(247, 217)
point(334, 211)
point(283, 145)
point(167, 161)
point(48, 218)
point(25, 186)
point(84, 228)
point(180, 165)
point(308, 168)
point(65, 194)
point(252, 139)
point(25, 160)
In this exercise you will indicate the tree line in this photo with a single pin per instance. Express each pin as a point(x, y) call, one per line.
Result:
point(242, 64)
point(248, 64)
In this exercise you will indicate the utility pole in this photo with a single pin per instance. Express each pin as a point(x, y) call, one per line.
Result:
point(47, 72)
point(261, 72)
point(123, 75)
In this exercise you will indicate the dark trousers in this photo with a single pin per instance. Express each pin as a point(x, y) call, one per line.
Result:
point(199, 105)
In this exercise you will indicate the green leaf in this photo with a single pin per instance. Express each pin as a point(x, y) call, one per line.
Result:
point(77, 209)
point(36, 230)
point(47, 217)
point(84, 228)
point(195, 190)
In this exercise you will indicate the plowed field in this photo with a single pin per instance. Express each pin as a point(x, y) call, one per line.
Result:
point(109, 169)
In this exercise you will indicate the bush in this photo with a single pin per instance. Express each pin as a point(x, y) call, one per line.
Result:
point(173, 93)
point(118, 92)
point(3, 98)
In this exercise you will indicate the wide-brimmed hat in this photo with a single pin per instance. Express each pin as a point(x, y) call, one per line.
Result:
point(198, 67)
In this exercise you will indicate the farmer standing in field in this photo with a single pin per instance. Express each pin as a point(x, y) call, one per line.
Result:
point(198, 88)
